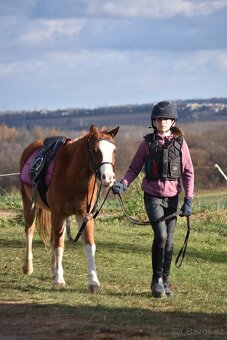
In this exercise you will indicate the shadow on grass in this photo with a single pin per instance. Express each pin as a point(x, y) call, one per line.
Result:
point(122, 247)
point(38, 321)
point(9, 243)
point(207, 255)
point(52, 288)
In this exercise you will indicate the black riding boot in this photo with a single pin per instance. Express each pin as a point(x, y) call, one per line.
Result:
point(166, 269)
point(157, 287)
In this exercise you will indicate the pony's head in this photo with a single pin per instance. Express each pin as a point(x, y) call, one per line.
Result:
point(102, 151)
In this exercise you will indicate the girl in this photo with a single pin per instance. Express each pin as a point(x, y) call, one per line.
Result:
point(166, 157)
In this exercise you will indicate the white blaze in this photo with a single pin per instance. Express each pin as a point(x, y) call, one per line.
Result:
point(106, 170)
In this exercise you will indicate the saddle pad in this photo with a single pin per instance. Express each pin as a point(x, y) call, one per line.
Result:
point(25, 178)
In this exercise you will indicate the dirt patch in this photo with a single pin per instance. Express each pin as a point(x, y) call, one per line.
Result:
point(21, 320)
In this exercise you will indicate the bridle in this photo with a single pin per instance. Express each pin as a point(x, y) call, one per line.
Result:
point(92, 213)
point(96, 168)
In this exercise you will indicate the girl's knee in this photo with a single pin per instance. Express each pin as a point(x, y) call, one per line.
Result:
point(160, 240)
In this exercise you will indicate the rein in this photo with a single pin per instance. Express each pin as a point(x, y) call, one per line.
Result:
point(89, 214)
point(182, 252)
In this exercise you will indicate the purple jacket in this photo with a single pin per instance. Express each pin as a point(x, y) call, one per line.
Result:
point(160, 188)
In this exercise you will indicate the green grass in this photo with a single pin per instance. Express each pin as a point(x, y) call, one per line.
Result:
point(125, 307)
point(11, 201)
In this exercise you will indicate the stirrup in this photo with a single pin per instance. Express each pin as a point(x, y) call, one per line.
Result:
point(33, 200)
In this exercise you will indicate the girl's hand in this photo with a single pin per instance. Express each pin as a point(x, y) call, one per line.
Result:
point(186, 208)
point(118, 187)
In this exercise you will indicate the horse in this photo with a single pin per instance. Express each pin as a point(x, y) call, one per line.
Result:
point(77, 165)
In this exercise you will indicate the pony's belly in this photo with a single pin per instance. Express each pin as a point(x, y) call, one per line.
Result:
point(39, 201)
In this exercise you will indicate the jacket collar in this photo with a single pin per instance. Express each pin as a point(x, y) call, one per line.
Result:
point(159, 136)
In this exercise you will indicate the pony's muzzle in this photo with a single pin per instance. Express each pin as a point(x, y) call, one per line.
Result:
point(108, 179)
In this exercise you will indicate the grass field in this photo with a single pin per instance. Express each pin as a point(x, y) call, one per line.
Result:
point(32, 309)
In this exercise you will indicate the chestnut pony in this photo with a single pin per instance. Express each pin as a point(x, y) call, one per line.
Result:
point(77, 165)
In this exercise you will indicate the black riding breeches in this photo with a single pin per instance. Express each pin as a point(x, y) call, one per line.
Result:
point(162, 247)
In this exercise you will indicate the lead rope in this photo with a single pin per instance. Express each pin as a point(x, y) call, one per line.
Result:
point(182, 252)
point(134, 221)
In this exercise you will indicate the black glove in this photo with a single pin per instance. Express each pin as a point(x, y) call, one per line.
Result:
point(118, 187)
point(186, 208)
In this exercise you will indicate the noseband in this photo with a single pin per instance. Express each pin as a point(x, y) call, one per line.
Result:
point(97, 168)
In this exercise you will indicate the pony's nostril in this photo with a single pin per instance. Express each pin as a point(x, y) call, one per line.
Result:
point(108, 177)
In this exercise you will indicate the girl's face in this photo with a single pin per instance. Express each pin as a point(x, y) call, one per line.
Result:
point(163, 125)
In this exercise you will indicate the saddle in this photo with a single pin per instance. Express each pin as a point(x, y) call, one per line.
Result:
point(38, 169)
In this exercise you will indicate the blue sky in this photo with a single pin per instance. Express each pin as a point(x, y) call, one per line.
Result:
point(92, 53)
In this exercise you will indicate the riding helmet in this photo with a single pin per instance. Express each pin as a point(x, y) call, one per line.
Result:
point(164, 109)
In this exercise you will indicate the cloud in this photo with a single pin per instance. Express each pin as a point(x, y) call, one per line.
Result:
point(127, 8)
point(59, 53)
point(139, 25)
point(222, 61)
point(40, 30)
point(158, 9)
point(15, 69)
point(94, 78)
point(201, 62)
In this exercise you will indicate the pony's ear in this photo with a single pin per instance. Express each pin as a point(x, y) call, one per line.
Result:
point(93, 130)
point(114, 131)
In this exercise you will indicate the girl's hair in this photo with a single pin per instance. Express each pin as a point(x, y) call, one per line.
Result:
point(177, 132)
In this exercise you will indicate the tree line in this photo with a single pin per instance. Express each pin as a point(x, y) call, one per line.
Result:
point(207, 143)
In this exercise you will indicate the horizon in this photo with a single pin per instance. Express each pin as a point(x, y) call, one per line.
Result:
point(108, 106)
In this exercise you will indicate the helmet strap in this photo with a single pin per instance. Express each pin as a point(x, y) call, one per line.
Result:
point(155, 129)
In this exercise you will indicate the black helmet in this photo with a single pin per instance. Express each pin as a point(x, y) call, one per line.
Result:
point(165, 109)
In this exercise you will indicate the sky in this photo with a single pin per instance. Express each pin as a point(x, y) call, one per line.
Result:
point(58, 54)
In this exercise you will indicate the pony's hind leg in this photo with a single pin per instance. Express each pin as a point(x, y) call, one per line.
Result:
point(89, 249)
point(29, 218)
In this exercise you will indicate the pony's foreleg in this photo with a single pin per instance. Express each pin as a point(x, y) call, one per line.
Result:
point(89, 249)
point(57, 243)
point(54, 257)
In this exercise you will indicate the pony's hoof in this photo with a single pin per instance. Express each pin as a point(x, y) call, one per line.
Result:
point(59, 285)
point(94, 289)
point(59, 281)
point(28, 270)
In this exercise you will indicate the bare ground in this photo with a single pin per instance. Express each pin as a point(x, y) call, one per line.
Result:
point(22, 320)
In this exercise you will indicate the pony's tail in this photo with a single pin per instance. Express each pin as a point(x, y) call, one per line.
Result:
point(43, 226)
